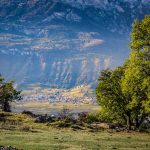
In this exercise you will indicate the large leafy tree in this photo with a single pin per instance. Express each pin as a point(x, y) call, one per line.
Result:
point(7, 94)
point(110, 96)
point(136, 80)
point(125, 91)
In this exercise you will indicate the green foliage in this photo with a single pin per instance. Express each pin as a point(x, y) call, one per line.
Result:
point(125, 91)
point(136, 80)
point(7, 94)
point(92, 117)
point(106, 115)
point(102, 116)
point(140, 35)
point(111, 98)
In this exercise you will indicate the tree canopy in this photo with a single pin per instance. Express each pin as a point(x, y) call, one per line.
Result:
point(125, 90)
point(7, 94)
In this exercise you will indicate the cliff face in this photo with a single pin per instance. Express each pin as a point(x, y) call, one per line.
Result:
point(53, 70)
point(63, 43)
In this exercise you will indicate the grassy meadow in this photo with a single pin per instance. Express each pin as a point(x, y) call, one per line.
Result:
point(55, 139)
point(19, 130)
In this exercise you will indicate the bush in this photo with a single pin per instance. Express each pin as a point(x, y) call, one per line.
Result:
point(43, 119)
point(83, 117)
point(28, 113)
point(92, 117)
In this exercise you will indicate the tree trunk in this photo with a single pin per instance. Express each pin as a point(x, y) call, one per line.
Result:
point(6, 107)
point(128, 121)
point(137, 123)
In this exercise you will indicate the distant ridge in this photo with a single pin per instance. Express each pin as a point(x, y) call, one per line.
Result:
point(64, 43)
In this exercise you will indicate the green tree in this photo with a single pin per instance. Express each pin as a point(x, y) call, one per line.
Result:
point(7, 94)
point(110, 96)
point(125, 91)
point(136, 80)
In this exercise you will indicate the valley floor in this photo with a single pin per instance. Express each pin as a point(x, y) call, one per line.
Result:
point(53, 108)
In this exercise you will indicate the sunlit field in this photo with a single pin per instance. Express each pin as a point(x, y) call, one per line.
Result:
point(55, 139)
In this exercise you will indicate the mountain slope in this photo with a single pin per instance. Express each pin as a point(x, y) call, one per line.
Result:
point(64, 43)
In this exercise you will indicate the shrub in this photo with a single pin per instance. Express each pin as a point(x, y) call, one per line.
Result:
point(44, 119)
point(92, 117)
point(28, 113)
point(83, 117)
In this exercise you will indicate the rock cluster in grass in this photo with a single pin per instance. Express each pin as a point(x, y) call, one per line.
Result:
point(7, 148)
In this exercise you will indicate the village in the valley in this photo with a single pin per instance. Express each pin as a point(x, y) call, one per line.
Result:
point(79, 94)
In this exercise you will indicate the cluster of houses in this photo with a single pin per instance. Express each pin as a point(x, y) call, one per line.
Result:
point(54, 97)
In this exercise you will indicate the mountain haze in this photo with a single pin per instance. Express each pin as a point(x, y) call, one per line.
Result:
point(64, 43)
